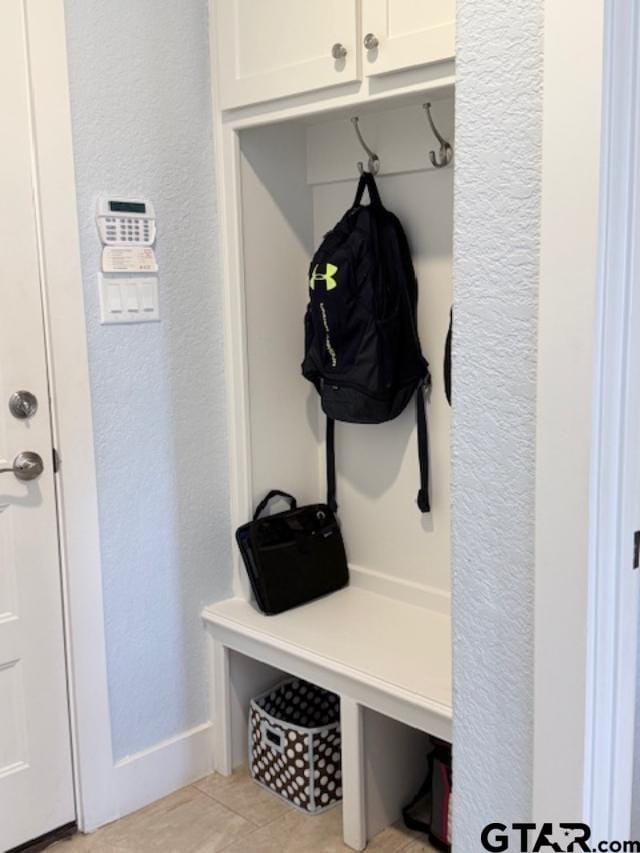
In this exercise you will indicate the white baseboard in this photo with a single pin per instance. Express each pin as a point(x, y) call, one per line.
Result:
point(406, 591)
point(147, 776)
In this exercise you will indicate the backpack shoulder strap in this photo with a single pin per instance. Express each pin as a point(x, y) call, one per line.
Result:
point(396, 234)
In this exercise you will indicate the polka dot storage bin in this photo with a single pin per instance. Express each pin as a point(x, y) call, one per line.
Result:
point(294, 744)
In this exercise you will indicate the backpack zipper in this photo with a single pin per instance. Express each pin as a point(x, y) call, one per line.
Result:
point(355, 387)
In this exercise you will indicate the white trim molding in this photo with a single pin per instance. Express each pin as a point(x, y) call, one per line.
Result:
point(147, 776)
point(568, 307)
point(586, 594)
point(65, 332)
point(613, 604)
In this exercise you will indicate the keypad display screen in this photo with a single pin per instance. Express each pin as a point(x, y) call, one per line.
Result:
point(127, 207)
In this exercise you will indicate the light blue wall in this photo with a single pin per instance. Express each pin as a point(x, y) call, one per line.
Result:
point(142, 126)
point(496, 256)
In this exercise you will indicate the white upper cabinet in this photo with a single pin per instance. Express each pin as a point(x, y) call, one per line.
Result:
point(398, 34)
point(272, 48)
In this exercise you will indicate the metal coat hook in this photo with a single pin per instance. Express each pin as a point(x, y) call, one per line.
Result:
point(445, 155)
point(373, 163)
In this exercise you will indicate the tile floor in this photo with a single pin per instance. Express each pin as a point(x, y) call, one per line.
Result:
point(233, 815)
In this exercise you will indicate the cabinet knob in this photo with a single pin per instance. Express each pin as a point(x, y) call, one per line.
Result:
point(338, 51)
point(371, 41)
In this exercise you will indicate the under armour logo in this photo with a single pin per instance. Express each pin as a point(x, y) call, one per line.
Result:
point(327, 277)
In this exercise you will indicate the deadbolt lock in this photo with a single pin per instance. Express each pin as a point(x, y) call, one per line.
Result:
point(23, 404)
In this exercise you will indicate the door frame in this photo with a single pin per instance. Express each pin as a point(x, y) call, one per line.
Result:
point(586, 597)
point(71, 414)
point(613, 602)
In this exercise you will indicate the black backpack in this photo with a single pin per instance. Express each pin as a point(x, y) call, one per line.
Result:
point(362, 350)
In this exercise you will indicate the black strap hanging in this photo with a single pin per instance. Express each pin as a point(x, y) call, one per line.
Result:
point(447, 359)
point(423, 449)
point(331, 465)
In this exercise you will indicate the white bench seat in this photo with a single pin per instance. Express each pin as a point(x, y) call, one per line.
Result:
point(375, 652)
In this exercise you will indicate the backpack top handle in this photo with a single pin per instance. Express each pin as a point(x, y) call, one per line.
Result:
point(367, 181)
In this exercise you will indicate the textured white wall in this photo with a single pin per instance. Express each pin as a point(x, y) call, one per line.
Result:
point(497, 199)
point(142, 126)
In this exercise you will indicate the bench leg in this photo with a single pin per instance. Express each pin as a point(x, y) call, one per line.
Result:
point(353, 775)
point(221, 704)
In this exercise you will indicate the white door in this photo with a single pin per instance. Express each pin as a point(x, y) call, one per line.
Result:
point(36, 785)
point(272, 48)
point(400, 34)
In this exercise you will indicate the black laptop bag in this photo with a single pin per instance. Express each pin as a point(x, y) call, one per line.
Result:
point(294, 556)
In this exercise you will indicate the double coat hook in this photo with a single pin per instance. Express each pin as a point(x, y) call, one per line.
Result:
point(445, 155)
point(439, 160)
point(373, 163)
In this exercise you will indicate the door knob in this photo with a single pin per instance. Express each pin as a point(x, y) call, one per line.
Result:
point(26, 466)
point(23, 404)
point(338, 51)
point(371, 41)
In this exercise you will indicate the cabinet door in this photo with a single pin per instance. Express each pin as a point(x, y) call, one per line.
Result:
point(408, 32)
point(272, 48)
